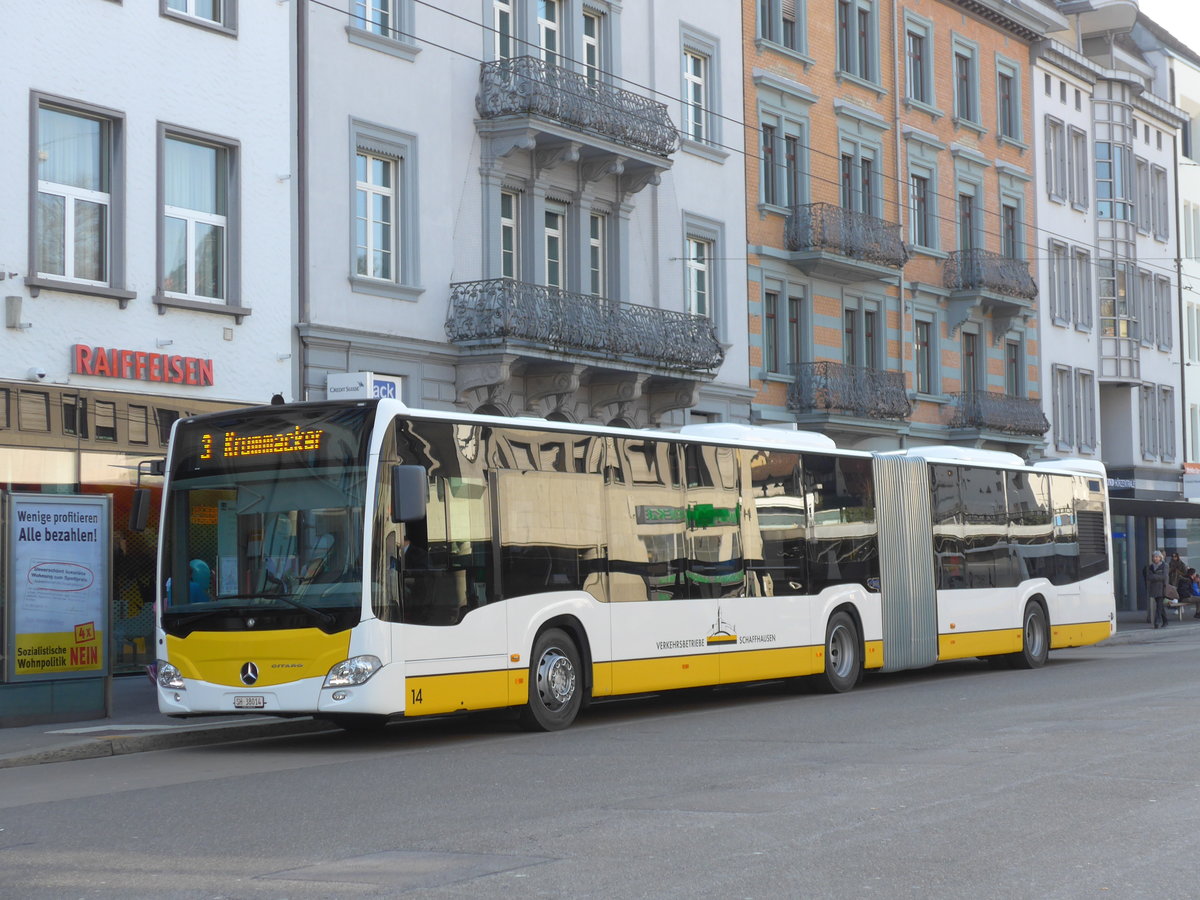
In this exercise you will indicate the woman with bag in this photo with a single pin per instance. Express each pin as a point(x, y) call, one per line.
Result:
point(1156, 588)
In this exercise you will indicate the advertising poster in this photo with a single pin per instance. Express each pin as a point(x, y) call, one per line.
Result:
point(58, 585)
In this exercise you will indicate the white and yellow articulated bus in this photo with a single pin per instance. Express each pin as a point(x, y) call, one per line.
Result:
point(363, 561)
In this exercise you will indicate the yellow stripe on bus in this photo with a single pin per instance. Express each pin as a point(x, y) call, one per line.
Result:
point(281, 656)
point(430, 695)
point(978, 643)
point(1080, 635)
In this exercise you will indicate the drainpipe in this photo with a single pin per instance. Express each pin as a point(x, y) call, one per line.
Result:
point(301, 182)
point(1183, 408)
point(901, 184)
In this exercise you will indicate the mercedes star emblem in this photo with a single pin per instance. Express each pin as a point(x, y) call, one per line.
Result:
point(249, 673)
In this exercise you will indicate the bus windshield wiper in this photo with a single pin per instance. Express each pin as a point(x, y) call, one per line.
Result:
point(324, 618)
point(185, 620)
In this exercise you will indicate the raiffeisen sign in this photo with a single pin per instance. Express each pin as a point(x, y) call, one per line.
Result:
point(139, 365)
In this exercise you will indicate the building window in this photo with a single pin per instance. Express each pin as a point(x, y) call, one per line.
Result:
point(922, 225)
point(969, 371)
point(1064, 408)
point(695, 98)
point(1114, 181)
point(509, 230)
point(780, 22)
point(968, 221)
point(106, 421)
point(555, 232)
point(197, 191)
point(1010, 231)
point(213, 13)
point(1086, 407)
point(1166, 419)
point(966, 90)
point(375, 216)
point(1146, 312)
point(592, 47)
point(770, 329)
point(1060, 283)
point(918, 69)
point(699, 277)
point(74, 210)
point(856, 38)
point(1013, 382)
point(859, 179)
point(1081, 288)
point(1160, 202)
point(1144, 209)
point(597, 268)
point(74, 415)
point(1162, 300)
point(139, 424)
point(374, 16)
point(1008, 100)
point(1056, 160)
point(549, 18)
point(1079, 168)
point(923, 360)
point(383, 242)
point(860, 335)
point(502, 25)
point(770, 179)
point(791, 170)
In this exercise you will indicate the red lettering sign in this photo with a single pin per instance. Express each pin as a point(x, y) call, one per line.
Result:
point(139, 365)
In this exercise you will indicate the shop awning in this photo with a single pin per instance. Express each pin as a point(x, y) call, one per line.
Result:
point(1153, 509)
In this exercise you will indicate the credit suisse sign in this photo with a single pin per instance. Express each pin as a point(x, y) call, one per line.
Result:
point(139, 365)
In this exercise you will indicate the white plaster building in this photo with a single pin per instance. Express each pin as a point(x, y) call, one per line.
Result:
point(498, 213)
point(145, 248)
point(1109, 311)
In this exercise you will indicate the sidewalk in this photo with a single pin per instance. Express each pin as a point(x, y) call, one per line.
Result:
point(136, 726)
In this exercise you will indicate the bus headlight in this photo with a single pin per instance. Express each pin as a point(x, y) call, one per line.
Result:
point(169, 677)
point(355, 670)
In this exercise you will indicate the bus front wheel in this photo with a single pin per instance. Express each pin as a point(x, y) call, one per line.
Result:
point(555, 683)
point(1035, 639)
point(843, 655)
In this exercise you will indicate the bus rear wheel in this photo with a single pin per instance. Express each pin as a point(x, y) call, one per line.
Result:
point(1035, 639)
point(843, 655)
point(555, 683)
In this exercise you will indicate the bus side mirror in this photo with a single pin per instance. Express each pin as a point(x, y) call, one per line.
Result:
point(139, 511)
point(410, 493)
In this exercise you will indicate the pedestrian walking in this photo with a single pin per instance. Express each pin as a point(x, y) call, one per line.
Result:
point(1156, 588)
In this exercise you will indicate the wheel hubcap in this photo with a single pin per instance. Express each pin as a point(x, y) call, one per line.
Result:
point(1034, 635)
point(555, 679)
point(841, 652)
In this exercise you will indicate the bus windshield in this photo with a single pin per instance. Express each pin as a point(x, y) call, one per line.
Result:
point(264, 522)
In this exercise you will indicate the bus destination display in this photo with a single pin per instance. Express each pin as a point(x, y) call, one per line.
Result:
point(230, 444)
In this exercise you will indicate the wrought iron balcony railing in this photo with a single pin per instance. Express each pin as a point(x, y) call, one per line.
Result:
point(983, 270)
point(823, 226)
point(526, 85)
point(854, 390)
point(500, 311)
point(1004, 413)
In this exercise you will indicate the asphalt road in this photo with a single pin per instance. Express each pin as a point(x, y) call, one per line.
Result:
point(1079, 780)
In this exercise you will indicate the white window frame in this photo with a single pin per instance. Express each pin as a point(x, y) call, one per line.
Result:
point(510, 227)
point(224, 20)
point(555, 236)
point(71, 196)
point(1145, 210)
point(504, 29)
point(550, 32)
point(1162, 301)
point(698, 265)
point(700, 93)
point(1148, 421)
point(1160, 200)
point(598, 254)
point(593, 46)
point(365, 243)
point(1060, 282)
point(227, 159)
point(695, 97)
point(400, 148)
point(383, 25)
point(1166, 422)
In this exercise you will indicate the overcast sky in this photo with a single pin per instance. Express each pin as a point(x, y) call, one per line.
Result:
point(1180, 17)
